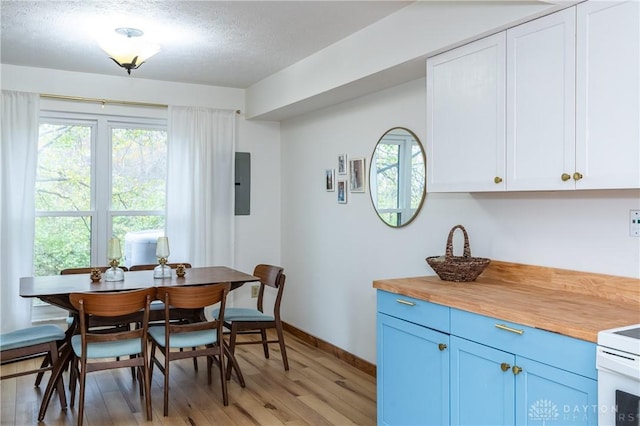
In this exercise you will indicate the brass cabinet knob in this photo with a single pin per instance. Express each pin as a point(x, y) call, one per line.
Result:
point(442, 346)
point(504, 366)
point(516, 370)
point(565, 177)
point(577, 176)
point(497, 179)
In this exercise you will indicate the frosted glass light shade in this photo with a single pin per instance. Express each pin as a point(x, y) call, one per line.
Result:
point(124, 53)
point(127, 48)
point(113, 249)
point(162, 247)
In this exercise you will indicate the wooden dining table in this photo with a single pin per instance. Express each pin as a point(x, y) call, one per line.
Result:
point(55, 290)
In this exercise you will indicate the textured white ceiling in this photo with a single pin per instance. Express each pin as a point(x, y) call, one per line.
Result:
point(221, 43)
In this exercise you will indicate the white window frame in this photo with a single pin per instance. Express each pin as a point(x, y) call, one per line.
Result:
point(100, 209)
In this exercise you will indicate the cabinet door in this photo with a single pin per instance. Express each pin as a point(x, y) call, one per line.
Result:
point(608, 94)
point(555, 396)
point(413, 374)
point(466, 117)
point(482, 385)
point(541, 103)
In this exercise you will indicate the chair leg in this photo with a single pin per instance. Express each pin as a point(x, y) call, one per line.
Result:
point(209, 363)
point(232, 348)
point(73, 379)
point(45, 362)
point(152, 353)
point(195, 362)
point(265, 346)
point(53, 358)
point(223, 380)
point(134, 376)
point(283, 348)
point(83, 382)
point(56, 374)
point(140, 376)
point(166, 381)
point(147, 384)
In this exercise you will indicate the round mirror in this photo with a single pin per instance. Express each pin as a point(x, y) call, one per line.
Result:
point(397, 177)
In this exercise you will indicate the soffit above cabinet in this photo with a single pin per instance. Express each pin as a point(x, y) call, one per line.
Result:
point(387, 53)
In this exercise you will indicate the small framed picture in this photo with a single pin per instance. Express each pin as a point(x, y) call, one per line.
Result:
point(342, 191)
point(356, 174)
point(330, 177)
point(342, 164)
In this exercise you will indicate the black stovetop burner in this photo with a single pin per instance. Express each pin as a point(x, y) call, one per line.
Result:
point(632, 332)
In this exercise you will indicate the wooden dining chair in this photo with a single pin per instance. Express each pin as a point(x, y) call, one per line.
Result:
point(242, 321)
point(33, 342)
point(87, 270)
point(156, 315)
point(95, 322)
point(157, 306)
point(102, 351)
point(106, 326)
point(177, 340)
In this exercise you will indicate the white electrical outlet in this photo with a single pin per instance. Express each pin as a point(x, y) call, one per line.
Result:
point(634, 223)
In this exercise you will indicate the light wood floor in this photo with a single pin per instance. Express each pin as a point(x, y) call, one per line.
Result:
point(319, 389)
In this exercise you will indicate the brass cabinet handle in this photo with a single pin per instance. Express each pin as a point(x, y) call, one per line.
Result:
point(406, 302)
point(442, 346)
point(507, 328)
point(504, 366)
point(516, 370)
point(577, 176)
point(565, 177)
point(497, 179)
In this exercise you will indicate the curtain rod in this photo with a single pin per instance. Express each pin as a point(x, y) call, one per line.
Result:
point(106, 101)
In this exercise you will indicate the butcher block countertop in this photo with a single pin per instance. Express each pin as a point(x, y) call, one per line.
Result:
point(572, 303)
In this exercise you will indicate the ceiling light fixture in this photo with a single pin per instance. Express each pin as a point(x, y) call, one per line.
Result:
point(128, 49)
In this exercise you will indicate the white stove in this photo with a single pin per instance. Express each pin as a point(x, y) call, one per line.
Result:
point(618, 364)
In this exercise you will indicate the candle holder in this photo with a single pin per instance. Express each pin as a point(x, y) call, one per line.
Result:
point(162, 253)
point(114, 253)
point(114, 273)
point(162, 270)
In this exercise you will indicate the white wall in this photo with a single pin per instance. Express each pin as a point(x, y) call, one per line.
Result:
point(332, 252)
point(257, 235)
point(125, 88)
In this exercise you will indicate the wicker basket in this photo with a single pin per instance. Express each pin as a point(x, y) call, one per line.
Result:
point(458, 268)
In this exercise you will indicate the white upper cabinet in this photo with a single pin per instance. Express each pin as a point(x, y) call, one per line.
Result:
point(608, 95)
point(552, 104)
point(541, 103)
point(465, 117)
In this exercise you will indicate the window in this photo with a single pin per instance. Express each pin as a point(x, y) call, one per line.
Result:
point(97, 177)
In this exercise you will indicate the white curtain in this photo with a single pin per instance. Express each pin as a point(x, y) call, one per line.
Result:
point(18, 159)
point(200, 186)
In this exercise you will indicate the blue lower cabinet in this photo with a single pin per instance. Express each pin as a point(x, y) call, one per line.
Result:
point(482, 385)
point(494, 387)
point(547, 395)
point(478, 370)
point(413, 373)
